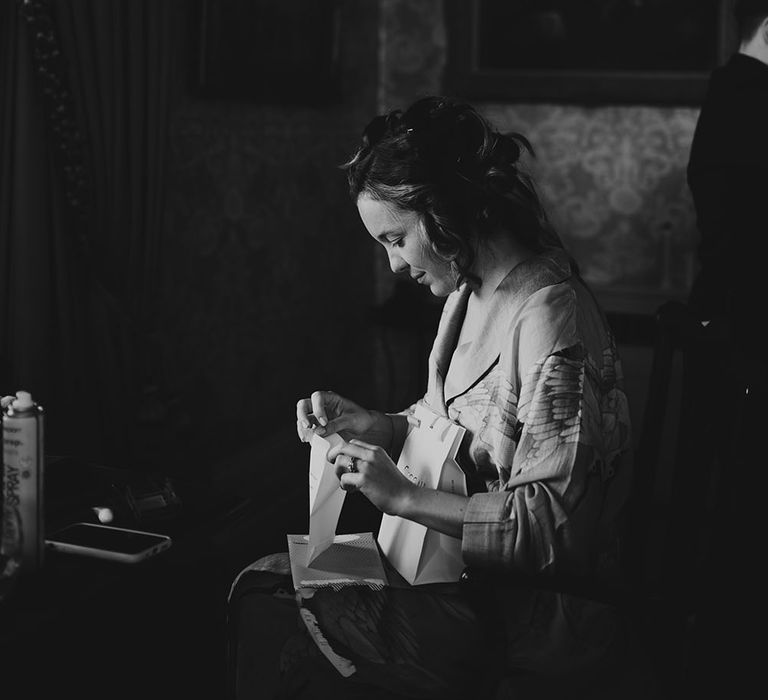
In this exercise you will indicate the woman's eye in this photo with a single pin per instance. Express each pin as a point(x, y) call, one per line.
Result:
point(397, 243)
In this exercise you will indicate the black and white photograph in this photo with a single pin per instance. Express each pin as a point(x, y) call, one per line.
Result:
point(382, 349)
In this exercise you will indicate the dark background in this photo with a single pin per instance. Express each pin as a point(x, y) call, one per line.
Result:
point(180, 260)
point(590, 36)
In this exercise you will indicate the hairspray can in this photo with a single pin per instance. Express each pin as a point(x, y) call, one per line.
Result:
point(23, 469)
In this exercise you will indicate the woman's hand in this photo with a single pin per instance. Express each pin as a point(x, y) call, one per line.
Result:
point(6, 401)
point(367, 468)
point(326, 412)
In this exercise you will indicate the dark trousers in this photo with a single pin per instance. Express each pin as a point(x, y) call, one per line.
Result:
point(406, 644)
point(723, 433)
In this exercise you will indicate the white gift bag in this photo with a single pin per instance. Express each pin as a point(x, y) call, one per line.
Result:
point(428, 458)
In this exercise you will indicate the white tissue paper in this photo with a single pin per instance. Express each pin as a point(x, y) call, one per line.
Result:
point(325, 496)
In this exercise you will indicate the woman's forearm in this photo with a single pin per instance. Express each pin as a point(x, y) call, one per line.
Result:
point(438, 510)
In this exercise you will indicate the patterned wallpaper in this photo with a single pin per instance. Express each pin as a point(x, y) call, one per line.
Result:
point(412, 50)
point(613, 178)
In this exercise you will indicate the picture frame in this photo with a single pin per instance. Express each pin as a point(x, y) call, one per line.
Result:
point(269, 51)
point(603, 51)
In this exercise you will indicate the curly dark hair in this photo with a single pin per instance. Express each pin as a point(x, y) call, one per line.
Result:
point(444, 160)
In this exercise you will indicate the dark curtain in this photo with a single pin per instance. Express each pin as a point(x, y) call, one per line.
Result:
point(120, 54)
point(39, 285)
point(120, 57)
point(99, 72)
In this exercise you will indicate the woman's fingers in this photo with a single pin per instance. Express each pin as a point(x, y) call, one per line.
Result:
point(335, 425)
point(354, 448)
point(312, 413)
point(305, 434)
point(350, 481)
point(304, 420)
point(309, 423)
point(304, 412)
point(320, 399)
point(349, 458)
point(340, 414)
point(325, 412)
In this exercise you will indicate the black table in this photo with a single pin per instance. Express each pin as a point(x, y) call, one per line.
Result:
point(87, 628)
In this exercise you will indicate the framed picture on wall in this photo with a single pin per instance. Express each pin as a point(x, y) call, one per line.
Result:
point(596, 51)
point(269, 51)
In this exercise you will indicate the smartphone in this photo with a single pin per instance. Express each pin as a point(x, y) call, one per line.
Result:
point(108, 542)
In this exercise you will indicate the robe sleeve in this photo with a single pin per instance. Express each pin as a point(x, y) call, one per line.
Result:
point(526, 523)
point(545, 514)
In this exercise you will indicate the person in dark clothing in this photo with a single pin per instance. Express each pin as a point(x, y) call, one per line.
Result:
point(724, 394)
point(728, 178)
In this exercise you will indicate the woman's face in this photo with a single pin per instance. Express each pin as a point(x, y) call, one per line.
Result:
point(402, 234)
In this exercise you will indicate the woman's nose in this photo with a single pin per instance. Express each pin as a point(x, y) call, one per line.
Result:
point(396, 263)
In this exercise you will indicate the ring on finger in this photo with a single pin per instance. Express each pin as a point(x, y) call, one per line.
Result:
point(352, 466)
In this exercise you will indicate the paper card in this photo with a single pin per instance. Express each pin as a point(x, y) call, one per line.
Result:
point(326, 497)
point(350, 560)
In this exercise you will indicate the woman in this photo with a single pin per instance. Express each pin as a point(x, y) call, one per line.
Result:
point(525, 362)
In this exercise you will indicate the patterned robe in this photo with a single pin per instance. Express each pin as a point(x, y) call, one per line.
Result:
point(540, 393)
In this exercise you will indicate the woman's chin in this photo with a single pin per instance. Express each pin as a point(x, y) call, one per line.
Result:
point(440, 289)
